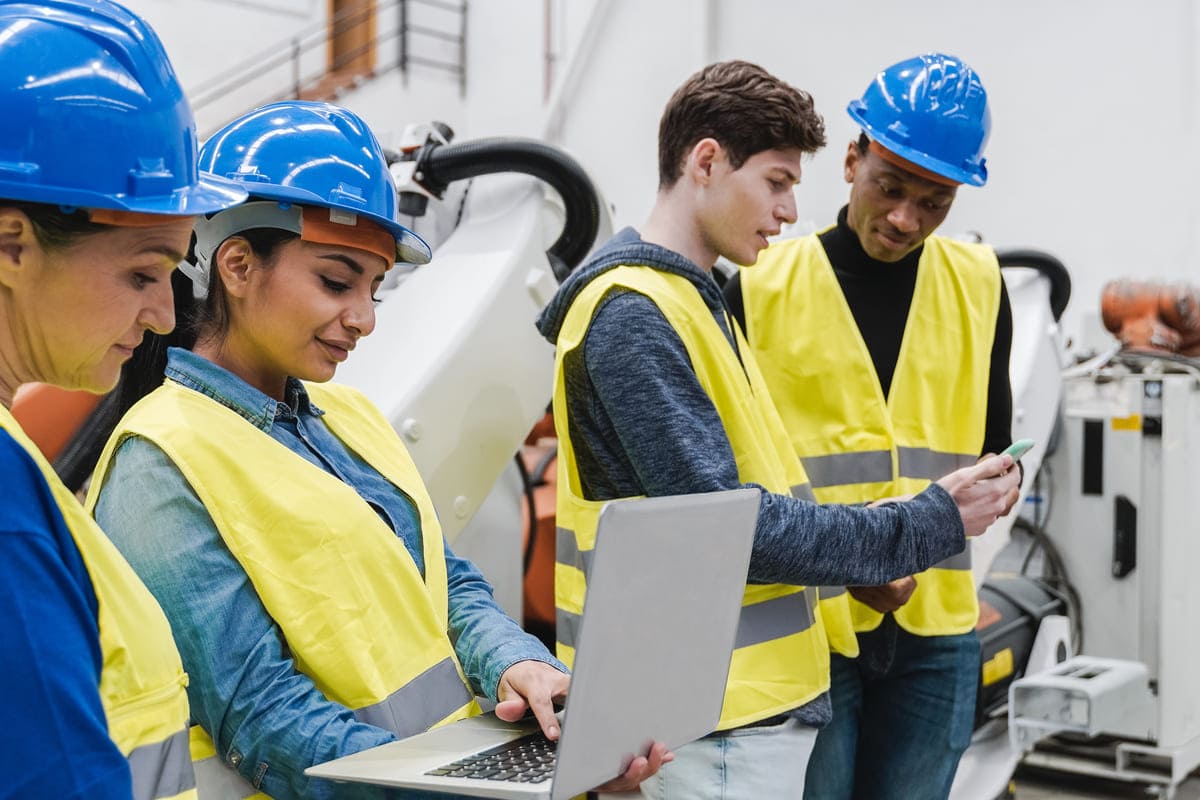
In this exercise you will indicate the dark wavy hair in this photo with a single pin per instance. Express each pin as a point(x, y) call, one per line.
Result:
point(742, 106)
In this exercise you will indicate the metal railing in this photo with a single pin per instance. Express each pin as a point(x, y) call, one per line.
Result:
point(302, 66)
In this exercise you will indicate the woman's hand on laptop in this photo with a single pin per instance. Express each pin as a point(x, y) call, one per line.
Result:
point(536, 685)
point(533, 685)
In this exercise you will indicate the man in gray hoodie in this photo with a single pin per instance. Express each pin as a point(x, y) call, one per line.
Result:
point(656, 393)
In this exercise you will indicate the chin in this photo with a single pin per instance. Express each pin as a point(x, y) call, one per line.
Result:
point(318, 374)
point(94, 384)
point(746, 259)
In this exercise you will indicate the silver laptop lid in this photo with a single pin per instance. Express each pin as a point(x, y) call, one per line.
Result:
point(660, 619)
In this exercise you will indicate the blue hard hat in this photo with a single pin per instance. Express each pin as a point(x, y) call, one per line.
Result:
point(931, 110)
point(312, 154)
point(93, 115)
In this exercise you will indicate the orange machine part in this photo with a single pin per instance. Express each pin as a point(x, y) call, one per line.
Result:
point(538, 587)
point(1151, 315)
point(51, 416)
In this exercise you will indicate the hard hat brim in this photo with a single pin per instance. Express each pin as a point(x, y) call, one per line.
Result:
point(208, 195)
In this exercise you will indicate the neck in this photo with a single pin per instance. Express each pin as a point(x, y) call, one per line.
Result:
point(14, 366)
point(226, 354)
point(673, 224)
point(8, 391)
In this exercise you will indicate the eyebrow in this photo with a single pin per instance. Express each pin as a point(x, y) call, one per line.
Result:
point(166, 251)
point(904, 176)
point(791, 176)
point(354, 266)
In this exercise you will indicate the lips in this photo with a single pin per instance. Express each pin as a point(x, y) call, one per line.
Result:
point(338, 349)
point(892, 241)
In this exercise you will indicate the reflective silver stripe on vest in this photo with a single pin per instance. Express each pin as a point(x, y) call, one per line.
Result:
point(837, 469)
point(162, 769)
point(421, 703)
point(919, 462)
point(761, 622)
point(960, 561)
point(804, 492)
point(566, 627)
point(875, 466)
point(216, 780)
point(829, 592)
point(776, 618)
point(566, 551)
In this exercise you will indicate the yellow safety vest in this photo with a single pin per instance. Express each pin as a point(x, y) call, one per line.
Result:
point(357, 616)
point(781, 660)
point(143, 687)
point(856, 444)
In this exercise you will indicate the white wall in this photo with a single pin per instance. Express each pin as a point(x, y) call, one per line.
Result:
point(1094, 113)
point(1095, 109)
point(207, 38)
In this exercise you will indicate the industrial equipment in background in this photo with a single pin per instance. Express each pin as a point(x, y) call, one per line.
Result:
point(1153, 316)
point(1124, 525)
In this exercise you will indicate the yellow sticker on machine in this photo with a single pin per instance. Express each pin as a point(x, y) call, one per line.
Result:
point(1131, 423)
point(998, 667)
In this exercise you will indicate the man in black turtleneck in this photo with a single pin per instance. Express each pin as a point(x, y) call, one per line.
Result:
point(879, 294)
point(886, 350)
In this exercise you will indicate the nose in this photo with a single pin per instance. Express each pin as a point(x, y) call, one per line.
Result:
point(904, 217)
point(158, 315)
point(359, 316)
point(786, 211)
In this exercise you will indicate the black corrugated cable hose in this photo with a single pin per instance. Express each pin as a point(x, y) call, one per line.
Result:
point(439, 165)
point(1054, 270)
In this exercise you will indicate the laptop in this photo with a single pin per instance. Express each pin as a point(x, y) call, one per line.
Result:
point(665, 589)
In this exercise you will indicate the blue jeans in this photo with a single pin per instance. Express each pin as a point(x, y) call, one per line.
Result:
point(741, 764)
point(907, 704)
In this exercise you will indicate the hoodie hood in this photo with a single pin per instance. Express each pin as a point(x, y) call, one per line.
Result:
point(624, 249)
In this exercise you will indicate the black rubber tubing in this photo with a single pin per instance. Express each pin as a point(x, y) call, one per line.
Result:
point(440, 165)
point(1054, 270)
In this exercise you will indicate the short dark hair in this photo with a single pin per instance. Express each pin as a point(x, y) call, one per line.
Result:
point(741, 105)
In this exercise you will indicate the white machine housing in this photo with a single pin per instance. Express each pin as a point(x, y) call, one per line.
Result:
point(1124, 521)
point(1035, 366)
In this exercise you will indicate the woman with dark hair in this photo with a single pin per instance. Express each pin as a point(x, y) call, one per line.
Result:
point(98, 193)
point(279, 519)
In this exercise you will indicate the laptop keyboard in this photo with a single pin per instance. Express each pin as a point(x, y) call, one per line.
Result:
point(528, 759)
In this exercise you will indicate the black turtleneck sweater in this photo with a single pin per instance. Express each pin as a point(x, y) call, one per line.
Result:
point(879, 294)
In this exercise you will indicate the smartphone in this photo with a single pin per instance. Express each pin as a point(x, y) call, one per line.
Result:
point(1018, 448)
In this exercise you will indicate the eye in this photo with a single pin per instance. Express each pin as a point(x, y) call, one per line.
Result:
point(141, 280)
point(337, 287)
point(888, 190)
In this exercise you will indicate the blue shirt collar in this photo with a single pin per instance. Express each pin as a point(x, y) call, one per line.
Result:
point(261, 410)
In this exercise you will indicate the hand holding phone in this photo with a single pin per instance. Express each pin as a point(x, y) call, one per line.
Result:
point(1018, 448)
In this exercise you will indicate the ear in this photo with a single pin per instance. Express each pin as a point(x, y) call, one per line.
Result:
point(18, 244)
point(702, 158)
point(232, 263)
point(853, 158)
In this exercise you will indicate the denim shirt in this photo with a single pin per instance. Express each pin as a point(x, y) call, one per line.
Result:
point(267, 718)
